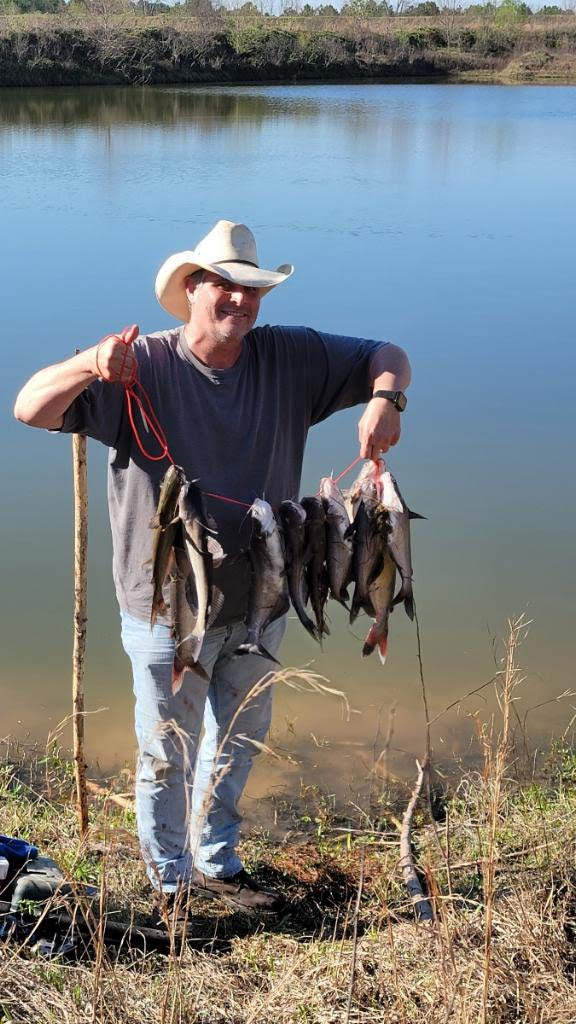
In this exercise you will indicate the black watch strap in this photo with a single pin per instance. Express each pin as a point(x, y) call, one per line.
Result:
point(398, 398)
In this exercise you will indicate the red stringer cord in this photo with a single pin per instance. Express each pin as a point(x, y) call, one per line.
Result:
point(150, 419)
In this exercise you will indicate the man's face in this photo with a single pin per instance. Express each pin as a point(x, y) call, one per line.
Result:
point(222, 309)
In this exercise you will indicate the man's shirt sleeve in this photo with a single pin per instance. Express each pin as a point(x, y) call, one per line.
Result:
point(339, 372)
point(98, 412)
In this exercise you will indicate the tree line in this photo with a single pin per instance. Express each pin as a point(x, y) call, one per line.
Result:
point(361, 9)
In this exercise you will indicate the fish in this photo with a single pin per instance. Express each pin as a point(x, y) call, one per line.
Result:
point(197, 552)
point(389, 495)
point(268, 597)
point(371, 473)
point(186, 645)
point(293, 520)
point(399, 539)
point(164, 524)
point(369, 532)
point(339, 544)
point(381, 592)
point(316, 574)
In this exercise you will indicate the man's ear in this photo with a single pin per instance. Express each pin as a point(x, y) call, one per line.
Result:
point(191, 287)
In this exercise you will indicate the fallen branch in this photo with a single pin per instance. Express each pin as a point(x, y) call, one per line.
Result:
point(422, 908)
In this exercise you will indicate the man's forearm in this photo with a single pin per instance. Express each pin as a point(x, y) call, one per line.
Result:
point(379, 427)
point(45, 398)
point(390, 369)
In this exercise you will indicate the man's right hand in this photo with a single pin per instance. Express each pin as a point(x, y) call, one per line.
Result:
point(114, 359)
point(44, 399)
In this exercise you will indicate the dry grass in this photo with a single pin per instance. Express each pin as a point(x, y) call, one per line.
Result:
point(498, 864)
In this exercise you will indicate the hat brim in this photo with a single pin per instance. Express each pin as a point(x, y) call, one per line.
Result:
point(171, 279)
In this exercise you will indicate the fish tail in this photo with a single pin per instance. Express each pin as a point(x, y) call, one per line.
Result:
point(355, 606)
point(179, 671)
point(370, 642)
point(383, 648)
point(374, 640)
point(248, 648)
point(306, 621)
point(158, 608)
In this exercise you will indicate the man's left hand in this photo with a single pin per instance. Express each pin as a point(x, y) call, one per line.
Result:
point(379, 428)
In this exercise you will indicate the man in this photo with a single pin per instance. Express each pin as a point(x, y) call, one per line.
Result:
point(235, 403)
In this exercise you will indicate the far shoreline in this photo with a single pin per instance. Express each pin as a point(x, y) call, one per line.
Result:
point(67, 50)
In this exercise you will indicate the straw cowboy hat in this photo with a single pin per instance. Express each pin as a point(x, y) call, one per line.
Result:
point(228, 250)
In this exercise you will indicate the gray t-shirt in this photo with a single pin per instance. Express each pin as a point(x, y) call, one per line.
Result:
point(239, 432)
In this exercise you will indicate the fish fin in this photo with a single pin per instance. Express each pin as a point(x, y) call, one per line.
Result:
point(367, 606)
point(191, 593)
point(350, 530)
point(415, 515)
point(367, 649)
point(248, 648)
point(216, 550)
point(376, 569)
point(282, 607)
point(405, 595)
point(342, 598)
point(216, 605)
point(195, 640)
point(211, 524)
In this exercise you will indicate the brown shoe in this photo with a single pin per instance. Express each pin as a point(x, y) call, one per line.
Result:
point(240, 891)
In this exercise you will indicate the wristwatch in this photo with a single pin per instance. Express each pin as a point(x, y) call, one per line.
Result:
point(398, 398)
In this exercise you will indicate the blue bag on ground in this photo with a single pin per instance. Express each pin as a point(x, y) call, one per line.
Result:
point(17, 851)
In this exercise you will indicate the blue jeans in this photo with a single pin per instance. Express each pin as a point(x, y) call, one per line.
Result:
point(189, 781)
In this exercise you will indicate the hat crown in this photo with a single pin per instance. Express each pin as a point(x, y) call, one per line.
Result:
point(228, 243)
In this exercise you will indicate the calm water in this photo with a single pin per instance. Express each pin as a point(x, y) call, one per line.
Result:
point(438, 216)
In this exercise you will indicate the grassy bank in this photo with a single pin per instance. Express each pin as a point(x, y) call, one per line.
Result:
point(497, 859)
point(65, 49)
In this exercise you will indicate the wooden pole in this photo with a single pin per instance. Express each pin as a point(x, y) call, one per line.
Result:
point(80, 589)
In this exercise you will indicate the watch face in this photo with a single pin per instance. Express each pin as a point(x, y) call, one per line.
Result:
point(400, 401)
